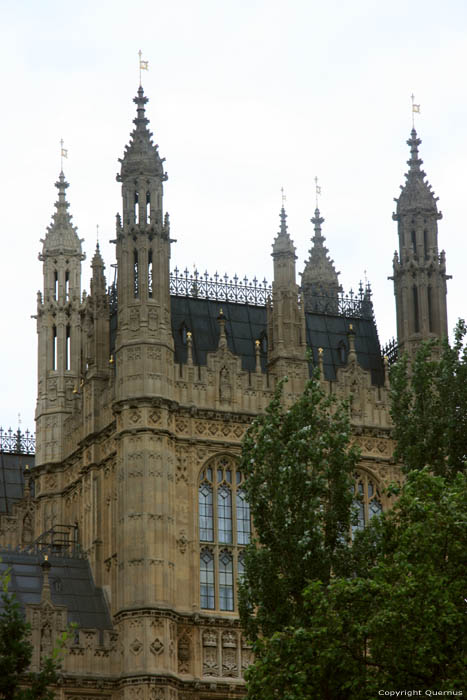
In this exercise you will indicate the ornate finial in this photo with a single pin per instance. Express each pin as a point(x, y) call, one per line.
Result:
point(317, 191)
point(283, 197)
point(415, 110)
point(143, 65)
point(45, 566)
point(283, 225)
point(63, 154)
point(97, 236)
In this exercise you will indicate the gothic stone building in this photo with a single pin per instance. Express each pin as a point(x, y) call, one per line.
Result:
point(145, 391)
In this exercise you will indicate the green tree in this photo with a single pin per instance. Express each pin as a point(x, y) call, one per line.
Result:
point(298, 465)
point(429, 406)
point(403, 625)
point(16, 682)
point(342, 623)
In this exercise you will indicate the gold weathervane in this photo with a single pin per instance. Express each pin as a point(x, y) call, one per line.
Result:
point(143, 65)
point(317, 191)
point(63, 154)
point(415, 109)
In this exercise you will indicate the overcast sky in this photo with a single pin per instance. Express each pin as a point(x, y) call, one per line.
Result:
point(245, 98)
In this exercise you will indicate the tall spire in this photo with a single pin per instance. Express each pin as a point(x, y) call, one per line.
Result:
point(98, 283)
point(141, 156)
point(320, 285)
point(416, 193)
point(283, 243)
point(61, 236)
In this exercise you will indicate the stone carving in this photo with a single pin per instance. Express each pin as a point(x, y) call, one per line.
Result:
point(182, 541)
point(135, 416)
point(225, 385)
point(184, 653)
point(182, 470)
point(153, 320)
point(157, 646)
point(136, 647)
point(155, 416)
point(28, 530)
point(229, 654)
point(134, 320)
point(210, 660)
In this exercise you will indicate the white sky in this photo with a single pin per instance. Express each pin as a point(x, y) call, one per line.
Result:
point(245, 97)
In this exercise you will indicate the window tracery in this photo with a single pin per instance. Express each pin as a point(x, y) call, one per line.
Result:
point(367, 499)
point(224, 530)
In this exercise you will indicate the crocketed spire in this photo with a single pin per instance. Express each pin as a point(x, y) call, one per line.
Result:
point(98, 283)
point(283, 243)
point(416, 194)
point(61, 236)
point(141, 156)
point(320, 285)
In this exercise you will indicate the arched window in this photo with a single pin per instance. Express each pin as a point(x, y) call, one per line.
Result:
point(148, 206)
point(367, 499)
point(150, 274)
point(68, 348)
point(135, 274)
point(54, 347)
point(224, 530)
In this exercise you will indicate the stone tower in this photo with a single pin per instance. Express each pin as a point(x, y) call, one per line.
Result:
point(59, 330)
point(144, 393)
point(320, 285)
point(419, 269)
point(286, 315)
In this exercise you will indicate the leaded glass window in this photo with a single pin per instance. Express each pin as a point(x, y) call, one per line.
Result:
point(367, 501)
point(224, 513)
point(206, 579)
point(206, 524)
point(225, 581)
point(243, 518)
point(224, 522)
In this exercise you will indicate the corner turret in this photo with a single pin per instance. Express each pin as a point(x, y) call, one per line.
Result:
point(419, 270)
point(58, 328)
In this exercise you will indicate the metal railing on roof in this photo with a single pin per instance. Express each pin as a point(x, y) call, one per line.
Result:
point(220, 288)
point(18, 442)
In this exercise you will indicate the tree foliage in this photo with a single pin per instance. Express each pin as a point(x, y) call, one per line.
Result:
point(429, 406)
point(341, 622)
point(16, 681)
point(402, 625)
point(298, 466)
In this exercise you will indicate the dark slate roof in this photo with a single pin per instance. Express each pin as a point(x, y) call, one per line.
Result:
point(12, 479)
point(71, 584)
point(330, 333)
point(245, 324)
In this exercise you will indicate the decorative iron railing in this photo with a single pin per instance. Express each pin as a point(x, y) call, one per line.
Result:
point(221, 288)
point(390, 350)
point(351, 305)
point(19, 442)
point(201, 286)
